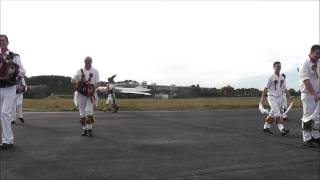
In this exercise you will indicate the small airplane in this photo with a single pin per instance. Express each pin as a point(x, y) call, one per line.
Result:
point(111, 89)
point(112, 86)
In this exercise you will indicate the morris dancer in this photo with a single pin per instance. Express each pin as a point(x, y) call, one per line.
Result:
point(10, 69)
point(274, 88)
point(309, 73)
point(110, 99)
point(85, 81)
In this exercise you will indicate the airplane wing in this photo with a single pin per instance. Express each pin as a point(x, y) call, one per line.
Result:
point(111, 79)
point(133, 90)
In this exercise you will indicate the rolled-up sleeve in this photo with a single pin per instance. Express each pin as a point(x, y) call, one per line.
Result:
point(76, 76)
point(304, 72)
point(284, 86)
point(22, 71)
point(268, 84)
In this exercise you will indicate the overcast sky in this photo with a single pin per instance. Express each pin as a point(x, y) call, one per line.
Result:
point(211, 43)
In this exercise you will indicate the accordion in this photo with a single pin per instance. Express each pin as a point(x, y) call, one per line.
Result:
point(8, 71)
point(85, 87)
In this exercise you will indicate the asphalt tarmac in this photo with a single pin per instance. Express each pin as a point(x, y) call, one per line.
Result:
point(191, 145)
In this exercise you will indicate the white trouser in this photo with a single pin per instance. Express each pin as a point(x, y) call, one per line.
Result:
point(7, 98)
point(17, 110)
point(85, 108)
point(85, 105)
point(109, 100)
point(19, 98)
point(309, 107)
point(276, 105)
point(20, 105)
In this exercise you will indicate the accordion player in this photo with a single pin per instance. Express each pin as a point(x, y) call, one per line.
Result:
point(9, 70)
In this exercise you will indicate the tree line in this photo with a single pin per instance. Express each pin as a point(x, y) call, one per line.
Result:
point(43, 86)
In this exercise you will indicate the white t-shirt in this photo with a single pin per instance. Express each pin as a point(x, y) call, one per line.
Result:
point(276, 85)
point(306, 72)
point(94, 80)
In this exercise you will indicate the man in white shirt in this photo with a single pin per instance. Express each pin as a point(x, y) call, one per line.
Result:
point(309, 83)
point(8, 82)
point(274, 88)
point(85, 81)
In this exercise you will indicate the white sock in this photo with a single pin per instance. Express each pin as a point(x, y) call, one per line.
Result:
point(266, 125)
point(280, 127)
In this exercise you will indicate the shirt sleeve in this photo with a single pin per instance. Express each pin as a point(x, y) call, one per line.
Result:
point(268, 84)
point(76, 76)
point(22, 71)
point(23, 82)
point(304, 72)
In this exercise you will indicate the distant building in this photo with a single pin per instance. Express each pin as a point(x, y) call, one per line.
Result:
point(162, 96)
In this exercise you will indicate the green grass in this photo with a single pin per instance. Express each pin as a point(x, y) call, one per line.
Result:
point(66, 104)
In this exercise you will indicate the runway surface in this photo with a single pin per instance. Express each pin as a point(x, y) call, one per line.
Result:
point(222, 144)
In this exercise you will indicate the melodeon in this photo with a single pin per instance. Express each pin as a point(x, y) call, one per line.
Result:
point(8, 71)
point(85, 87)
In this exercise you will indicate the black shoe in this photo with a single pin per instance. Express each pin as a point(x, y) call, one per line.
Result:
point(285, 132)
point(309, 144)
point(285, 119)
point(84, 133)
point(267, 130)
point(90, 133)
point(6, 146)
point(13, 122)
point(21, 120)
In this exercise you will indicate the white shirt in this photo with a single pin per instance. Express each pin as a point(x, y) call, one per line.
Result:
point(306, 72)
point(94, 80)
point(276, 85)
